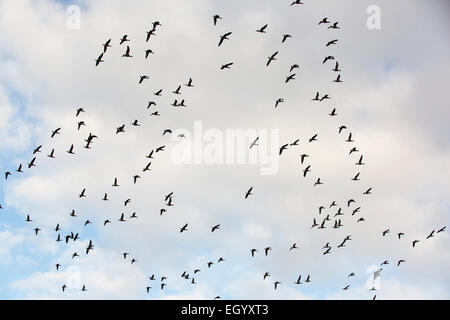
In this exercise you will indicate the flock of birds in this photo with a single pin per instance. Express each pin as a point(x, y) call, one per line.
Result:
point(330, 220)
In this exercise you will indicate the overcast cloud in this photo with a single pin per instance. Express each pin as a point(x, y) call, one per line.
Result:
point(393, 99)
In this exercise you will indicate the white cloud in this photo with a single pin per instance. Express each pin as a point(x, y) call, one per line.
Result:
point(395, 116)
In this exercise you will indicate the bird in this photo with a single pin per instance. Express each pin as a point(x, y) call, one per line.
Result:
point(415, 242)
point(147, 167)
point(294, 66)
point(431, 234)
point(89, 247)
point(316, 98)
point(120, 129)
point(135, 177)
point(121, 219)
point(276, 283)
point(99, 59)
point(149, 34)
point(290, 77)
point(336, 67)
point(324, 20)
point(254, 143)
point(124, 39)
point(28, 218)
point(360, 161)
point(183, 228)
point(282, 148)
point(266, 250)
point(306, 170)
point(262, 29)
point(313, 138)
point(177, 91)
point(296, 2)
point(127, 53)
point(106, 45)
point(55, 132)
point(226, 66)
point(79, 111)
point(51, 154)
point(338, 79)
point(299, 280)
point(253, 252)
point(271, 58)
point(142, 78)
point(400, 261)
point(216, 227)
point(216, 17)
point(341, 128)
point(248, 193)
point(265, 275)
point(294, 246)
point(400, 234)
point(158, 93)
point(285, 36)
point(70, 151)
point(368, 191)
point(83, 193)
point(333, 112)
point(224, 37)
point(329, 43)
point(303, 157)
point(31, 164)
point(385, 232)
point(441, 230)
point(279, 100)
point(189, 84)
point(334, 26)
point(115, 183)
point(355, 178)
point(327, 58)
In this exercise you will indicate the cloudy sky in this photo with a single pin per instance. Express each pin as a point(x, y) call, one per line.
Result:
point(393, 99)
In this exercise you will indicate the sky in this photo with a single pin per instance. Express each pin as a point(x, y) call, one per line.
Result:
point(392, 99)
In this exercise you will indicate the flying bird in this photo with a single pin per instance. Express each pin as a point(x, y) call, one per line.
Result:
point(262, 29)
point(271, 58)
point(216, 17)
point(224, 37)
